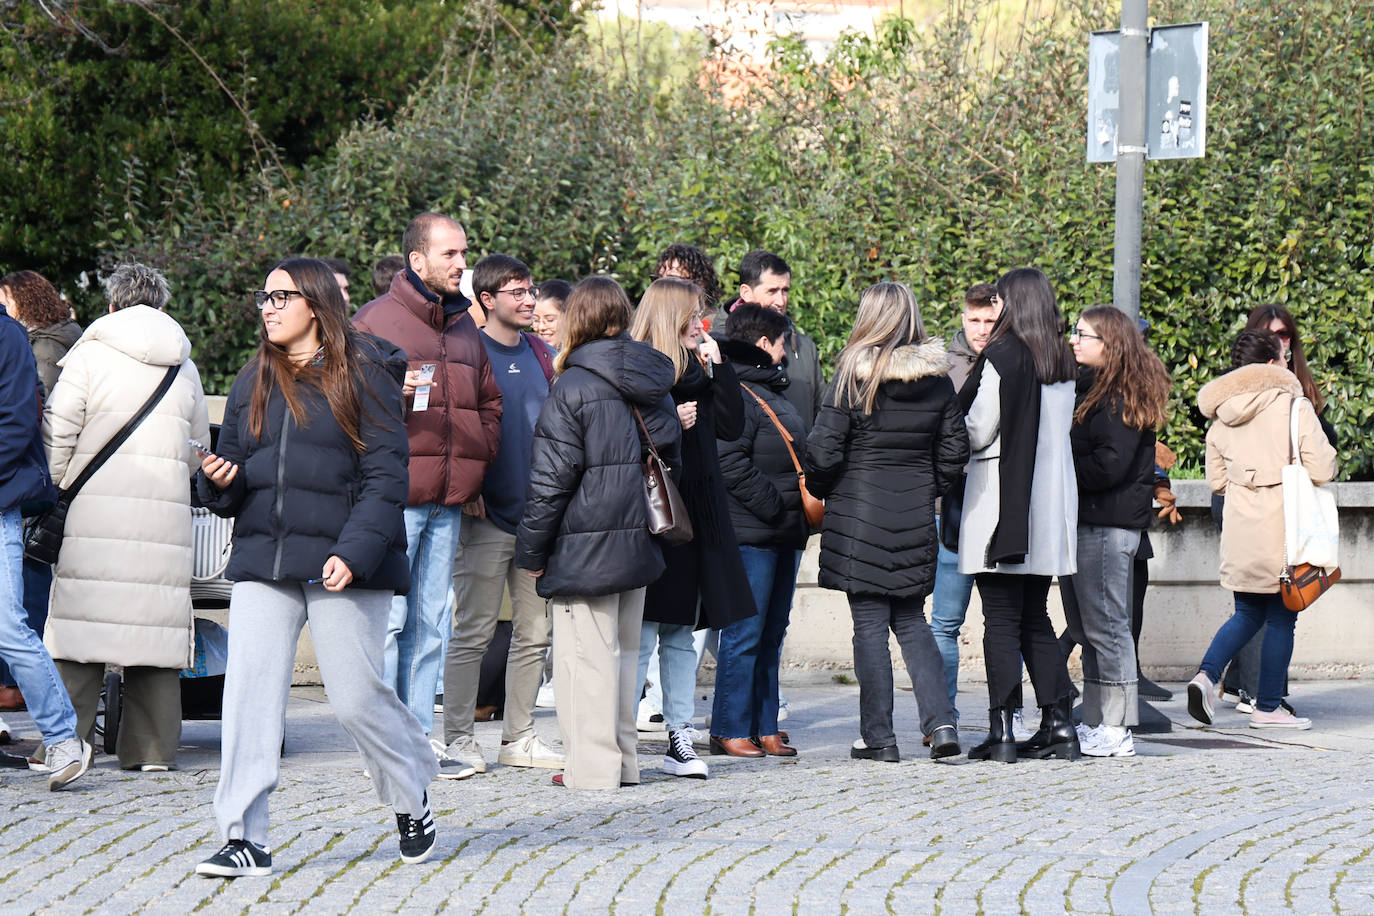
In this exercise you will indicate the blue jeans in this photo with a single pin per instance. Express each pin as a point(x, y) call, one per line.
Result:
point(949, 605)
point(1098, 605)
point(677, 666)
point(37, 587)
point(1252, 612)
point(20, 647)
point(746, 701)
point(415, 636)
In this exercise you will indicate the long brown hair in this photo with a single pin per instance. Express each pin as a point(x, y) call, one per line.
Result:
point(665, 312)
point(596, 308)
point(36, 302)
point(1130, 375)
point(1261, 318)
point(334, 373)
point(888, 318)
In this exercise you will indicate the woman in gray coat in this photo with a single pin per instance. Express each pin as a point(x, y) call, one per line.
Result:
point(1020, 515)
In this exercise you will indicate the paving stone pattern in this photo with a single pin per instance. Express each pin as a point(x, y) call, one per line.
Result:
point(1224, 821)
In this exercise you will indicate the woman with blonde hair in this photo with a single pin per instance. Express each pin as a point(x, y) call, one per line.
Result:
point(704, 584)
point(585, 533)
point(1121, 394)
point(888, 441)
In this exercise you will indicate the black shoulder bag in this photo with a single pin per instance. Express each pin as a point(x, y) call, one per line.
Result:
point(43, 537)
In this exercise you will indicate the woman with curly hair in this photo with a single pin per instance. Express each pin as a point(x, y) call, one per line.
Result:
point(688, 262)
point(1122, 390)
point(33, 302)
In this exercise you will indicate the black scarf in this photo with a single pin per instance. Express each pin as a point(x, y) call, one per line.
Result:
point(1019, 430)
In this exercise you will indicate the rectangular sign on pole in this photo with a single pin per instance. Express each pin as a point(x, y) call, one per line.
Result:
point(1176, 100)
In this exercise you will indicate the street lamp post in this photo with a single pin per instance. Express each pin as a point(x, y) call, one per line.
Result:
point(1130, 156)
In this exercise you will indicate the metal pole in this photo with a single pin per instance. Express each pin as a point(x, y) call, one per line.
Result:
point(1130, 155)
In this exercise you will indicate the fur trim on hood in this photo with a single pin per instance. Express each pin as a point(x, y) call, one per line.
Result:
point(1237, 396)
point(908, 363)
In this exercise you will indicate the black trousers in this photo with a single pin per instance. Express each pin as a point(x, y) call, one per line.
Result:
point(1016, 626)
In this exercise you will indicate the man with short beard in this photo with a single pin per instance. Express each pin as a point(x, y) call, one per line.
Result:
point(453, 420)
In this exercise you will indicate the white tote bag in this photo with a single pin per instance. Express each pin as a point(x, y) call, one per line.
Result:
point(1311, 529)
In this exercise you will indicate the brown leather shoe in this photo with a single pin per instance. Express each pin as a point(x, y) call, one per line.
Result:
point(486, 713)
point(774, 746)
point(925, 742)
point(11, 699)
point(735, 747)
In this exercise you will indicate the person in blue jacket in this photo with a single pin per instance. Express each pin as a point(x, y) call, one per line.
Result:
point(312, 467)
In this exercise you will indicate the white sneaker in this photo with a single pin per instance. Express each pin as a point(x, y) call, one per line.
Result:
point(648, 719)
point(1279, 718)
point(681, 759)
point(5, 736)
point(545, 699)
point(530, 751)
point(1087, 733)
point(66, 761)
point(1109, 741)
point(1019, 731)
point(1201, 692)
point(465, 750)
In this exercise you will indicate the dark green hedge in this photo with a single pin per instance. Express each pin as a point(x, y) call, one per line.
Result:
point(916, 156)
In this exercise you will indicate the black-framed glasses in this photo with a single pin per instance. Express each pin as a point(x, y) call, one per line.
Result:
point(520, 293)
point(1084, 335)
point(278, 298)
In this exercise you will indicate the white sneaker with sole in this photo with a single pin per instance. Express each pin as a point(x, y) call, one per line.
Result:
point(451, 766)
point(66, 761)
point(1201, 692)
point(1019, 730)
point(1109, 741)
point(545, 698)
point(238, 859)
point(530, 751)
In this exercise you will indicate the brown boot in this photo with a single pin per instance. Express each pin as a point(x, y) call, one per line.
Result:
point(775, 746)
point(735, 747)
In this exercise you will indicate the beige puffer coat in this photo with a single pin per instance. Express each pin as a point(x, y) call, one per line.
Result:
point(121, 590)
point(1247, 448)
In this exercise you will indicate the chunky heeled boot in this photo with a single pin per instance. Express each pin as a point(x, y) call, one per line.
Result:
point(1001, 742)
point(1056, 737)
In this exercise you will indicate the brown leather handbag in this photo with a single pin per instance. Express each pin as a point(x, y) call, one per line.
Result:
point(667, 513)
point(813, 508)
point(1303, 584)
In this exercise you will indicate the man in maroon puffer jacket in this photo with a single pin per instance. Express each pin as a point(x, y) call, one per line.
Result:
point(454, 425)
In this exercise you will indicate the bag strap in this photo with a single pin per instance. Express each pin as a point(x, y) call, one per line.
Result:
point(1293, 431)
point(647, 438)
point(786, 436)
point(122, 436)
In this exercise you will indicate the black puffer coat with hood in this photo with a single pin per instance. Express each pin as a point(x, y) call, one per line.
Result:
point(585, 524)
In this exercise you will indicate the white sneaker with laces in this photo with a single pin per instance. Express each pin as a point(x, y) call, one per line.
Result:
point(66, 761)
point(1086, 733)
point(545, 698)
point(1019, 731)
point(1279, 718)
point(682, 759)
point(457, 765)
point(530, 751)
point(1109, 741)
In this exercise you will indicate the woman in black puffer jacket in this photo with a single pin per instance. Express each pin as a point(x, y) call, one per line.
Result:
point(766, 512)
point(312, 466)
point(889, 440)
point(585, 532)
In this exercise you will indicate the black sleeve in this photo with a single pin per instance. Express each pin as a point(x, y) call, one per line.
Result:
point(729, 402)
point(557, 461)
point(826, 448)
point(951, 451)
point(742, 477)
point(384, 474)
point(1102, 450)
point(227, 502)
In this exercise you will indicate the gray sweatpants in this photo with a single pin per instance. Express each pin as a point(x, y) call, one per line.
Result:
point(347, 630)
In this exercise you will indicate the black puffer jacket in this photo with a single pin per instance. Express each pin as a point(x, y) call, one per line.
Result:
point(1114, 463)
point(584, 523)
point(303, 493)
point(879, 474)
point(765, 499)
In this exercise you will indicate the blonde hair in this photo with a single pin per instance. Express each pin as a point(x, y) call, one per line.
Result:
point(596, 308)
point(888, 318)
point(664, 314)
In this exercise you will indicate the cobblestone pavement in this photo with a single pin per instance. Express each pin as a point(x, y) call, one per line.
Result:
point(1222, 821)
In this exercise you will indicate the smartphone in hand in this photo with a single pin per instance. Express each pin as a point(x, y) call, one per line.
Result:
point(201, 450)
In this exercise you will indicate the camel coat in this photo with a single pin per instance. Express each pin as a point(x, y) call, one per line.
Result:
point(1247, 447)
point(121, 590)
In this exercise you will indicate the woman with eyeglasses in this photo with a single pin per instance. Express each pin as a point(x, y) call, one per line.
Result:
point(1021, 509)
point(1248, 444)
point(1122, 391)
point(549, 299)
point(312, 467)
point(704, 584)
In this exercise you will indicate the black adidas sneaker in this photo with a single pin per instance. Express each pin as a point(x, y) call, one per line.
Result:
point(417, 834)
point(238, 859)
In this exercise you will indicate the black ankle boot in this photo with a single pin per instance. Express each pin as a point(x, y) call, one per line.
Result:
point(1056, 737)
point(1001, 743)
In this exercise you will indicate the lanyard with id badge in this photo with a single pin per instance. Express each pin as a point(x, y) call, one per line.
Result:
point(422, 389)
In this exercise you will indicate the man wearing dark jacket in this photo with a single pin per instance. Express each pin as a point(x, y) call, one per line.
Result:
point(26, 488)
point(453, 423)
point(949, 601)
point(765, 279)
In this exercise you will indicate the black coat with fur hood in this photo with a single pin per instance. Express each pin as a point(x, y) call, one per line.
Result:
point(879, 474)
